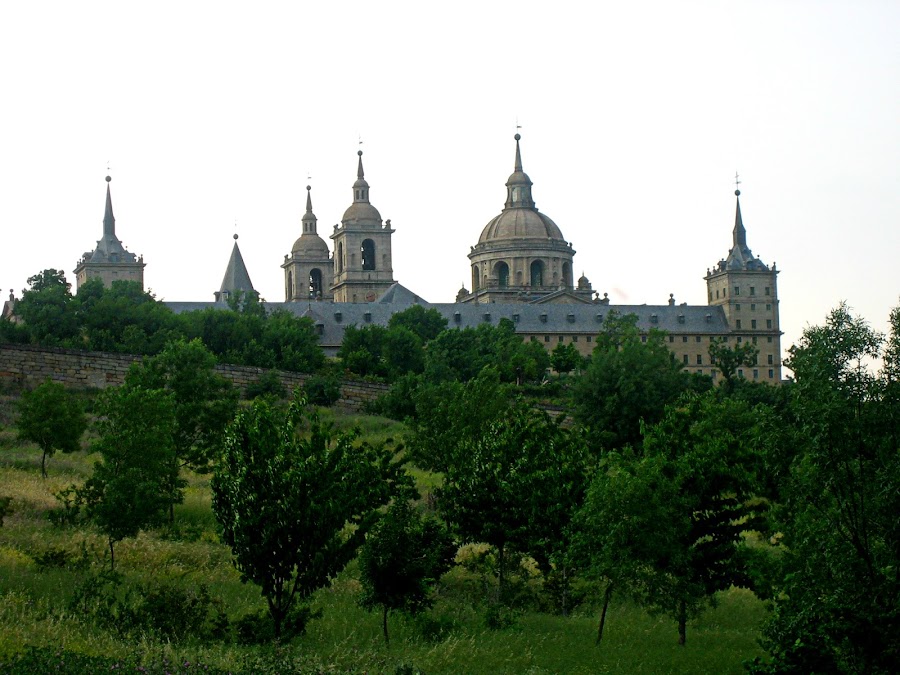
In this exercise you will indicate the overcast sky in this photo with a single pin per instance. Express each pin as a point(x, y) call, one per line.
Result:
point(634, 118)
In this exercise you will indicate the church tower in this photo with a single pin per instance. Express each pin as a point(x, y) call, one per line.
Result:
point(109, 261)
point(309, 269)
point(747, 290)
point(363, 267)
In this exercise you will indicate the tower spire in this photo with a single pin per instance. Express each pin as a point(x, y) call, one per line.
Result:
point(359, 171)
point(309, 218)
point(360, 187)
point(518, 154)
point(109, 220)
point(740, 234)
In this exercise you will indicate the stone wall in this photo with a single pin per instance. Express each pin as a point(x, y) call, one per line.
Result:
point(25, 366)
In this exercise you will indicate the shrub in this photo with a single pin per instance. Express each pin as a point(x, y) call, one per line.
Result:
point(322, 390)
point(267, 384)
point(256, 628)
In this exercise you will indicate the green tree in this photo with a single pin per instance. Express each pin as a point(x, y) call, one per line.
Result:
point(514, 484)
point(565, 358)
point(204, 403)
point(729, 359)
point(668, 526)
point(426, 323)
point(402, 559)
point(47, 309)
point(53, 418)
point(837, 601)
point(628, 382)
point(128, 490)
point(361, 350)
point(295, 508)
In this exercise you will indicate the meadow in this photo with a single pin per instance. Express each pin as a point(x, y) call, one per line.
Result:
point(51, 575)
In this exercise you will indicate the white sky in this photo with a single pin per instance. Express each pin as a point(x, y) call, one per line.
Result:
point(635, 117)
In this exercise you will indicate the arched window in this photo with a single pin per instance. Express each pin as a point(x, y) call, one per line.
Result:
point(475, 284)
point(340, 257)
point(567, 275)
point(537, 273)
point(289, 290)
point(315, 282)
point(367, 250)
point(501, 270)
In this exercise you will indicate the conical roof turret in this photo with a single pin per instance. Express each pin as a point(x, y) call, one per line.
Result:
point(109, 220)
point(236, 276)
point(740, 257)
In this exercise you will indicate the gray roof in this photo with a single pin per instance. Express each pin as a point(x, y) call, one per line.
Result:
point(332, 318)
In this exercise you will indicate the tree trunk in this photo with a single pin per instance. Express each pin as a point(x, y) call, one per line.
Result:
point(606, 598)
point(500, 576)
point(682, 623)
point(384, 627)
point(112, 556)
point(44, 465)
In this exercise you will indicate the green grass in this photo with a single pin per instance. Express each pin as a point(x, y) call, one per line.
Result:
point(451, 638)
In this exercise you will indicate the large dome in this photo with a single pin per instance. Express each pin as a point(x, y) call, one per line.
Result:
point(520, 223)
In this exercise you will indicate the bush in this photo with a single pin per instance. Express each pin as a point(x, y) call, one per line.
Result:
point(59, 558)
point(322, 390)
point(258, 628)
point(163, 610)
point(267, 384)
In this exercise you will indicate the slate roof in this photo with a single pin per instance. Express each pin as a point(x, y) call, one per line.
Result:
point(236, 276)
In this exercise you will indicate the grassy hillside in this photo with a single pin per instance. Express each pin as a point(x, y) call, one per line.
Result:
point(51, 598)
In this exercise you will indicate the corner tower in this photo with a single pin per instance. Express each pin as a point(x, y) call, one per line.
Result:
point(236, 280)
point(363, 266)
point(521, 254)
point(109, 261)
point(747, 290)
point(309, 269)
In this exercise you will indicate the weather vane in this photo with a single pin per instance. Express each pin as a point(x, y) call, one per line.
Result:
point(518, 126)
point(737, 181)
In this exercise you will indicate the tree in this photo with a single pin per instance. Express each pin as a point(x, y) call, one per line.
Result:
point(729, 359)
point(837, 601)
point(668, 526)
point(426, 323)
point(204, 403)
point(47, 309)
point(403, 557)
point(295, 508)
point(628, 382)
point(128, 490)
point(565, 358)
point(53, 418)
point(514, 484)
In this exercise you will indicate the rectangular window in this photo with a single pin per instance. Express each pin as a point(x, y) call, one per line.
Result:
point(643, 338)
point(771, 373)
point(769, 339)
point(699, 359)
point(753, 290)
point(738, 324)
point(753, 307)
point(699, 339)
point(768, 290)
point(737, 290)
point(684, 338)
point(671, 338)
point(768, 323)
point(685, 359)
point(740, 372)
point(574, 338)
point(546, 338)
point(755, 374)
point(754, 339)
point(739, 339)
point(589, 338)
point(717, 294)
point(768, 307)
point(737, 308)
point(771, 359)
point(753, 324)
point(560, 338)
point(710, 296)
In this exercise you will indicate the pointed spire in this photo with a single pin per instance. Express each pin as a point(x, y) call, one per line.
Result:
point(359, 171)
point(109, 220)
point(518, 186)
point(236, 276)
point(740, 234)
point(360, 187)
point(518, 154)
point(309, 218)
